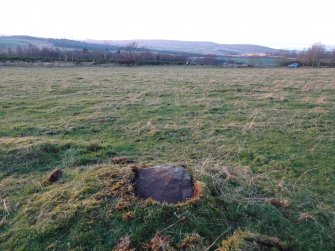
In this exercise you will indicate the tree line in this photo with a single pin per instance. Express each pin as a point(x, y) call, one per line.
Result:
point(130, 55)
point(316, 55)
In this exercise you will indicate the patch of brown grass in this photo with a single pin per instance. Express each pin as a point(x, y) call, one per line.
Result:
point(158, 243)
point(5, 208)
point(94, 145)
point(150, 202)
point(128, 216)
point(87, 190)
point(124, 245)
point(191, 240)
point(52, 246)
point(280, 202)
point(271, 97)
point(306, 216)
point(244, 240)
point(121, 160)
point(122, 204)
point(118, 185)
point(321, 100)
point(22, 143)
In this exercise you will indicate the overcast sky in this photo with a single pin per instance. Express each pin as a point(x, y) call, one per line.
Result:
point(275, 23)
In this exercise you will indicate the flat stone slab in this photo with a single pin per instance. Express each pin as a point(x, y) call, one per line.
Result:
point(170, 184)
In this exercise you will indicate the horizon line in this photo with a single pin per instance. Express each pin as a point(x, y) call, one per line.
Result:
point(293, 46)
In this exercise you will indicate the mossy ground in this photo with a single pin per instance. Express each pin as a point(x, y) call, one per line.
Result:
point(249, 135)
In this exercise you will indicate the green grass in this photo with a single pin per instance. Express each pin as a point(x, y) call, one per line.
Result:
point(249, 135)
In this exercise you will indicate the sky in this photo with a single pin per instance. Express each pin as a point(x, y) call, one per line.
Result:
point(286, 24)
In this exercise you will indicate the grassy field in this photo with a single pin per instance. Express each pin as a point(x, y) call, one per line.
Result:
point(260, 141)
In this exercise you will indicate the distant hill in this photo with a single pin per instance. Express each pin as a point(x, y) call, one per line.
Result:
point(165, 46)
point(68, 44)
point(13, 41)
point(23, 41)
point(194, 47)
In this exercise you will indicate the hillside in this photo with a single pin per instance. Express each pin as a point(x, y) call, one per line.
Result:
point(13, 41)
point(194, 47)
point(23, 41)
point(163, 46)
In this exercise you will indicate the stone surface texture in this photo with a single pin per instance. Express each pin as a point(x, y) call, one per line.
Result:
point(171, 184)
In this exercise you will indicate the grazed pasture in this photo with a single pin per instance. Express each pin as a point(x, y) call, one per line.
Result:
point(260, 141)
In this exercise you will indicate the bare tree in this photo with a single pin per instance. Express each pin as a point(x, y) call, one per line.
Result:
point(332, 57)
point(315, 53)
point(19, 50)
point(302, 57)
point(210, 59)
point(129, 55)
point(281, 57)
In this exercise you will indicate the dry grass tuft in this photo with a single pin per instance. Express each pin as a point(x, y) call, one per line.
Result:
point(244, 240)
point(306, 216)
point(94, 145)
point(118, 185)
point(280, 202)
point(191, 240)
point(321, 100)
point(21, 143)
point(198, 190)
point(128, 216)
point(5, 208)
point(158, 243)
point(52, 246)
point(124, 245)
point(121, 160)
point(306, 87)
point(122, 204)
point(272, 97)
point(150, 202)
